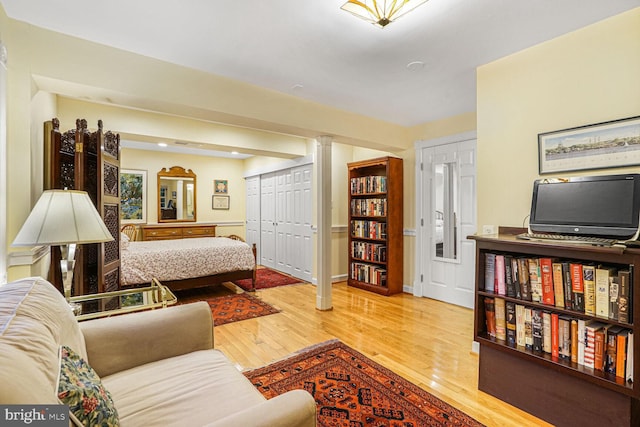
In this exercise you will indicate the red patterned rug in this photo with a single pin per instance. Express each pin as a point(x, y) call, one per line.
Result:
point(267, 278)
point(352, 390)
point(236, 307)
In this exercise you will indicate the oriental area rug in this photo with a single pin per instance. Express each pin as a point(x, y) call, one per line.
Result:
point(267, 278)
point(236, 307)
point(227, 307)
point(352, 390)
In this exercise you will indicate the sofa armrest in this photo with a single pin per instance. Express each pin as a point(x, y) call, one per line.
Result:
point(295, 408)
point(123, 342)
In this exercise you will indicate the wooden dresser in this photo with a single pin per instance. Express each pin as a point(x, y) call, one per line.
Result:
point(177, 231)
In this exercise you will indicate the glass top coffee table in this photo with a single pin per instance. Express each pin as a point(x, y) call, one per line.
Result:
point(124, 301)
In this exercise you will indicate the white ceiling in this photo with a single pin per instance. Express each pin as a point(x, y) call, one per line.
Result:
point(314, 50)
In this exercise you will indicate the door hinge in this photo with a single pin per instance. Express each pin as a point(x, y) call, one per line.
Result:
point(422, 222)
point(421, 166)
point(422, 278)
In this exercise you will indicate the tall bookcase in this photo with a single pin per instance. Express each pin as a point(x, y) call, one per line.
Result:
point(563, 390)
point(375, 225)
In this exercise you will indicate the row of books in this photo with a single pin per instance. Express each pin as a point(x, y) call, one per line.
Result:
point(368, 229)
point(596, 290)
point(590, 343)
point(369, 184)
point(369, 207)
point(369, 251)
point(367, 273)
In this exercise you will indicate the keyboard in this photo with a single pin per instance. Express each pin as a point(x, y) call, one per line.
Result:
point(565, 238)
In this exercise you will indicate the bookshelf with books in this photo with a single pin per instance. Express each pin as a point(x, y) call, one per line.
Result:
point(557, 331)
point(375, 225)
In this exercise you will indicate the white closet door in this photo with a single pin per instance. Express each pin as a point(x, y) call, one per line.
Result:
point(301, 223)
point(267, 220)
point(284, 215)
point(253, 212)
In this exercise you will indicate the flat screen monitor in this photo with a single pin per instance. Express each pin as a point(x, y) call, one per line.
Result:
point(606, 206)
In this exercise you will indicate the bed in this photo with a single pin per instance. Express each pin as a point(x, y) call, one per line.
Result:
point(186, 263)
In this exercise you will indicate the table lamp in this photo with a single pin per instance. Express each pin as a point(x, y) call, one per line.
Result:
point(63, 218)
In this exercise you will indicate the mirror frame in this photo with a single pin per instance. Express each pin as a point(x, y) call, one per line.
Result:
point(177, 172)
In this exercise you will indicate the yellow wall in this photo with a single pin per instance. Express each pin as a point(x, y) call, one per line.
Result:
point(206, 169)
point(588, 76)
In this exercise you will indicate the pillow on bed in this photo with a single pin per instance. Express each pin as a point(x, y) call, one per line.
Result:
point(124, 241)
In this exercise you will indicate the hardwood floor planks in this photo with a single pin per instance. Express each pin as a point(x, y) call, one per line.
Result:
point(427, 342)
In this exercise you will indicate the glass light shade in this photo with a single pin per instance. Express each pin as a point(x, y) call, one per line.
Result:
point(380, 13)
point(63, 217)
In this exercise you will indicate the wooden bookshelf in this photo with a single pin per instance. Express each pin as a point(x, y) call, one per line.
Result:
point(557, 389)
point(375, 225)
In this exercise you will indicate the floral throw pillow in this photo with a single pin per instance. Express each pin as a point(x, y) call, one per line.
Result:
point(79, 386)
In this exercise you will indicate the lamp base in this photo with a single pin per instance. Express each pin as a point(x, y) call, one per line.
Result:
point(76, 308)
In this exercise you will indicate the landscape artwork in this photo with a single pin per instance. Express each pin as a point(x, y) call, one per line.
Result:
point(598, 146)
point(133, 185)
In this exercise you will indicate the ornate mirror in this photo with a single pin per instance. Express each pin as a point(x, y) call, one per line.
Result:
point(176, 195)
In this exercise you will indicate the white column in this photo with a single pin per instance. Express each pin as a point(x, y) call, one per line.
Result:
point(323, 215)
point(3, 164)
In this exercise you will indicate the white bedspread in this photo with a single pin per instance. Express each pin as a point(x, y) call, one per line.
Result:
point(183, 259)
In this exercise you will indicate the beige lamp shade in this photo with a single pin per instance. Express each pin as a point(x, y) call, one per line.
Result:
point(63, 217)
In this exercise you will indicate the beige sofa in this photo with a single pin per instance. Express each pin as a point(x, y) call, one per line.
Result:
point(159, 366)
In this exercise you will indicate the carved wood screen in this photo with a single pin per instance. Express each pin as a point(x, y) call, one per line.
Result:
point(79, 159)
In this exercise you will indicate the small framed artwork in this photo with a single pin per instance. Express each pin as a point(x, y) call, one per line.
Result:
point(612, 144)
point(220, 202)
point(133, 196)
point(220, 186)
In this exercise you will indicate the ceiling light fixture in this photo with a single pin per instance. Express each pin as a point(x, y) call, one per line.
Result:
point(162, 144)
point(380, 13)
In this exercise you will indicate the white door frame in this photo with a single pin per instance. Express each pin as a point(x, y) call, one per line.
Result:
point(423, 245)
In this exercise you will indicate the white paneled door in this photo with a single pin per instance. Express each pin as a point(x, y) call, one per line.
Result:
point(282, 220)
point(301, 223)
point(447, 211)
point(268, 220)
point(253, 212)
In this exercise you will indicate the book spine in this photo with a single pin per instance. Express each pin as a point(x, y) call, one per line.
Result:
point(546, 332)
point(589, 282)
point(568, 293)
point(520, 326)
point(555, 336)
point(614, 297)
point(624, 300)
point(500, 288)
point(511, 323)
point(582, 340)
point(515, 277)
point(602, 293)
point(590, 346)
point(577, 287)
point(610, 353)
point(501, 326)
point(574, 341)
point(599, 348)
point(558, 284)
point(528, 328)
point(508, 277)
point(546, 280)
point(490, 316)
point(534, 280)
point(536, 329)
point(621, 354)
point(489, 272)
point(523, 277)
point(565, 337)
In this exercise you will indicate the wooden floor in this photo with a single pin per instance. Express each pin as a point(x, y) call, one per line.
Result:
point(425, 341)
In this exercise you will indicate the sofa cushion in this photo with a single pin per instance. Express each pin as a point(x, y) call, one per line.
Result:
point(35, 321)
point(80, 388)
point(188, 390)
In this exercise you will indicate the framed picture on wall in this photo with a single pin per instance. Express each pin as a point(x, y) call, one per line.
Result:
point(220, 202)
point(604, 145)
point(220, 186)
point(133, 196)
